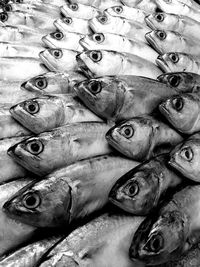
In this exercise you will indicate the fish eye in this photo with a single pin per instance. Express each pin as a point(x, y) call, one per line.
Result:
point(31, 200)
point(35, 147)
point(177, 103)
point(7, 8)
point(57, 53)
point(103, 19)
point(118, 9)
point(161, 35)
point(96, 56)
point(159, 17)
point(98, 37)
point(3, 16)
point(95, 87)
point(57, 35)
point(174, 57)
point(41, 83)
point(32, 107)
point(131, 189)
point(127, 131)
point(67, 20)
point(187, 153)
point(73, 7)
point(174, 80)
point(156, 243)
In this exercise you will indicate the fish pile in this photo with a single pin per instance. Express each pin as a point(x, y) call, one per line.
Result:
point(99, 133)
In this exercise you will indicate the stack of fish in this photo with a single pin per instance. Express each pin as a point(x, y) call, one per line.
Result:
point(100, 133)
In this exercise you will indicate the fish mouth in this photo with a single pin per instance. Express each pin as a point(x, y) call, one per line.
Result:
point(83, 67)
point(64, 11)
point(46, 62)
point(92, 26)
point(48, 43)
point(162, 64)
point(151, 41)
point(84, 44)
point(149, 23)
point(58, 25)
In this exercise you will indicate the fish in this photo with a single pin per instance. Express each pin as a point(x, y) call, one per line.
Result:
point(141, 190)
point(8, 49)
point(78, 10)
point(30, 255)
point(61, 147)
point(173, 22)
point(47, 112)
point(118, 43)
point(71, 193)
point(149, 6)
point(117, 25)
point(96, 63)
point(67, 40)
point(122, 97)
point(69, 24)
point(142, 137)
point(182, 111)
point(53, 82)
point(12, 233)
point(61, 60)
point(100, 4)
point(130, 13)
point(171, 41)
point(184, 157)
point(102, 242)
point(185, 81)
point(28, 67)
point(179, 62)
point(171, 231)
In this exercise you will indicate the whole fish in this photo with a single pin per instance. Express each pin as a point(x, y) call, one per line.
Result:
point(96, 63)
point(141, 189)
point(172, 231)
point(184, 157)
point(117, 25)
point(61, 147)
point(28, 67)
point(168, 41)
point(67, 40)
point(140, 138)
point(182, 81)
point(122, 97)
point(61, 60)
point(130, 13)
point(78, 10)
point(182, 111)
point(172, 22)
point(70, 193)
point(102, 242)
point(118, 43)
point(47, 112)
point(12, 233)
point(69, 24)
point(31, 254)
point(53, 82)
point(171, 62)
point(9, 49)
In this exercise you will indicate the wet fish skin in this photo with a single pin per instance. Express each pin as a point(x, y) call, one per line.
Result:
point(142, 137)
point(96, 63)
point(47, 112)
point(182, 111)
point(69, 143)
point(17, 50)
point(148, 6)
point(140, 190)
point(172, 231)
point(70, 193)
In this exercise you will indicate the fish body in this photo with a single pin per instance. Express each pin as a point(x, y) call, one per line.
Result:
point(141, 189)
point(148, 5)
point(17, 50)
point(61, 147)
point(97, 63)
point(118, 43)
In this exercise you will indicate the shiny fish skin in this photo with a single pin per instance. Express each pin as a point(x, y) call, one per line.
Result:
point(100, 4)
point(96, 63)
point(172, 231)
point(141, 189)
point(140, 138)
point(70, 193)
point(118, 43)
point(148, 5)
point(47, 112)
point(102, 242)
point(17, 50)
point(122, 97)
point(61, 147)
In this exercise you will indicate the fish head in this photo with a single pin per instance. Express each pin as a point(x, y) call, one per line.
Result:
point(119, 11)
point(137, 191)
point(161, 20)
point(78, 10)
point(54, 39)
point(104, 96)
point(105, 23)
point(69, 24)
point(42, 204)
point(160, 237)
point(181, 111)
point(97, 63)
point(132, 137)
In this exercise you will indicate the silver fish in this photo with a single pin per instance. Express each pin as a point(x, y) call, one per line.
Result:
point(19, 50)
